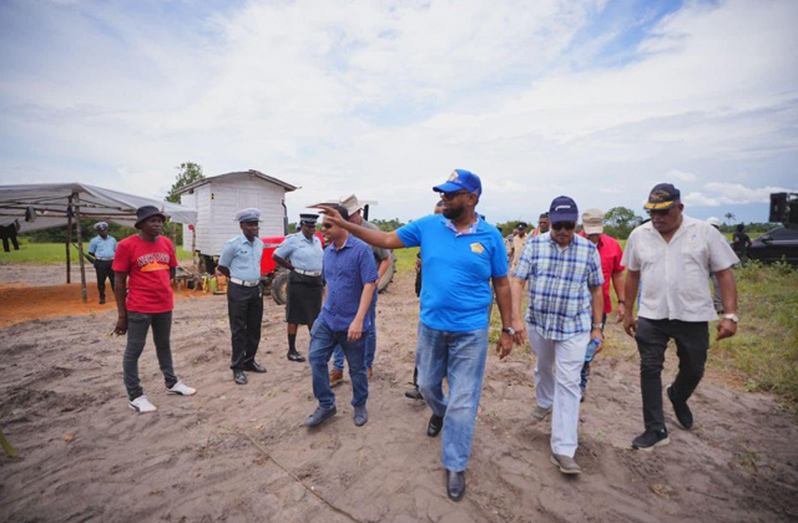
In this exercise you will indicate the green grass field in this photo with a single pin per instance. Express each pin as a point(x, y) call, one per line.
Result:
point(52, 253)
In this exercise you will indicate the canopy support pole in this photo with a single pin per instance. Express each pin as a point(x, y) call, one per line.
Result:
point(69, 240)
point(194, 246)
point(76, 198)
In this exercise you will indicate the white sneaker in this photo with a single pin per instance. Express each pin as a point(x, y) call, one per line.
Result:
point(142, 405)
point(182, 389)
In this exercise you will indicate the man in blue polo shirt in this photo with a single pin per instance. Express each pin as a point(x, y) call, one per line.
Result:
point(240, 262)
point(461, 255)
point(351, 276)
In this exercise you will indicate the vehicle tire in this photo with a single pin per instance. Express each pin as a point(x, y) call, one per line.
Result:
point(387, 278)
point(279, 289)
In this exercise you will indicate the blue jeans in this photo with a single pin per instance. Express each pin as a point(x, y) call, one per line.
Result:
point(371, 339)
point(322, 342)
point(460, 356)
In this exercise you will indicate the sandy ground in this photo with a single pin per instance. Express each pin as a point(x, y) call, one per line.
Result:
point(241, 453)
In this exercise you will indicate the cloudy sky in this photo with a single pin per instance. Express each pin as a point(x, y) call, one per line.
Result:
point(595, 99)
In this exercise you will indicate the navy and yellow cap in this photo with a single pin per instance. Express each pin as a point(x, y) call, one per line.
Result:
point(461, 179)
point(663, 196)
point(248, 215)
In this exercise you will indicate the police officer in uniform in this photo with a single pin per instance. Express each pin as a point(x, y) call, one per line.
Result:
point(302, 254)
point(240, 262)
point(102, 248)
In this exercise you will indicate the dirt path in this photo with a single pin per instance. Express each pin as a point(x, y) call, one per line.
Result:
point(206, 458)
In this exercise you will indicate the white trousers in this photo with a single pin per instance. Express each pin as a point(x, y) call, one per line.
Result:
point(557, 376)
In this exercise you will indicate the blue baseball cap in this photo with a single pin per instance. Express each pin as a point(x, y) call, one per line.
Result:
point(461, 179)
point(563, 209)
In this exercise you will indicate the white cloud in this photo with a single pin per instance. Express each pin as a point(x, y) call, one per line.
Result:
point(385, 98)
point(732, 194)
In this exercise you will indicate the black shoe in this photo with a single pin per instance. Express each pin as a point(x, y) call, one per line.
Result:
point(254, 367)
point(434, 426)
point(239, 377)
point(102, 300)
point(319, 416)
point(650, 439)
point(683, 414)
point(455, 484)
point(414, 394)
point(295, 356)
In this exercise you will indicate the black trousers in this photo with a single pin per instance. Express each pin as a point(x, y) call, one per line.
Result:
point(245, 309)
point(138, 324)
point(103, 270)
point(692, 343)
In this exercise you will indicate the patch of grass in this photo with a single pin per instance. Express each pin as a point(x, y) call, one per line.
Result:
point(406, 259)
point(765, 348)
point(52, 253)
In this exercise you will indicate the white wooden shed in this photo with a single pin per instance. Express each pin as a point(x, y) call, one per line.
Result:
point(217, 200)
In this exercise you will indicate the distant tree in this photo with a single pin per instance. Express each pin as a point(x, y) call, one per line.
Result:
point(729, 217)
point(387, 225)
point(620, 221)
point(187, 173)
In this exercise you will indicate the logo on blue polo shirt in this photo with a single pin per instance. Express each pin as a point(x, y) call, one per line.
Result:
point(477, 248)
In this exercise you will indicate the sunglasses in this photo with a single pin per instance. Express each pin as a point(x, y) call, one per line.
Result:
point(327, 226)
point(449, 196)
point(660, 212)
point(569, 226)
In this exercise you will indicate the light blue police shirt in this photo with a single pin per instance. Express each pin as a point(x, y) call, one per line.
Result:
point(303, 254)
point(103, 248)
point(242, 257)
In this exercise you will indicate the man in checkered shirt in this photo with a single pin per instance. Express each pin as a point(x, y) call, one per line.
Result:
point(566, 306)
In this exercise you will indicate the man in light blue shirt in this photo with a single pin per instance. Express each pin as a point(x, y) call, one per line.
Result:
point(240, 262)
point(302, 254)
point(102, 248)
point(461, 255)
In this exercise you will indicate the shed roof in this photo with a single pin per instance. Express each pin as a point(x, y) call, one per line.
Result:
point(251, 172)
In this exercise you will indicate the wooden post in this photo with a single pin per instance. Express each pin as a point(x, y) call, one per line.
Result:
point(193, 246)
point(76, 198)
point(69, 239)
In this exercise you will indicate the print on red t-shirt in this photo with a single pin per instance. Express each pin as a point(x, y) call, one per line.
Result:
point(147, 265)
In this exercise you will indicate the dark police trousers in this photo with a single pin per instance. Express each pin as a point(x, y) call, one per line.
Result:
point(692, 343)
point(103, 270)
point(245, 309)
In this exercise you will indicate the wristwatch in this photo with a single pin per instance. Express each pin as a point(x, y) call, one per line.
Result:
point(597, 326)
point(732, 317)
point(508, 330)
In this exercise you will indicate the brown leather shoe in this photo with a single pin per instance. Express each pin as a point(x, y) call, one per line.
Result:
point(368, 373)
point(336, 377)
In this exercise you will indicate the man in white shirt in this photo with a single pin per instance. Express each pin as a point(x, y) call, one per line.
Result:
point(675, 254)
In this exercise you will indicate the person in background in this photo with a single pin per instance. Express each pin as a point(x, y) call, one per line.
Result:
point(519, 240)
point(543, 225)
point(610, 253)
point(460, 254)
point(673, 255)
point(240, 263)
point(348, 269)
point(102, 248)
point(382, 260)
point(566, 306)
point(740, 242)
point(302, 254)
point(414, 393)
point(148, 260)
point(716, 301)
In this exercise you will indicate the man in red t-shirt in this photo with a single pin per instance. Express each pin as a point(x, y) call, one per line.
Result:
point(148, 260)
point(610, 253)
